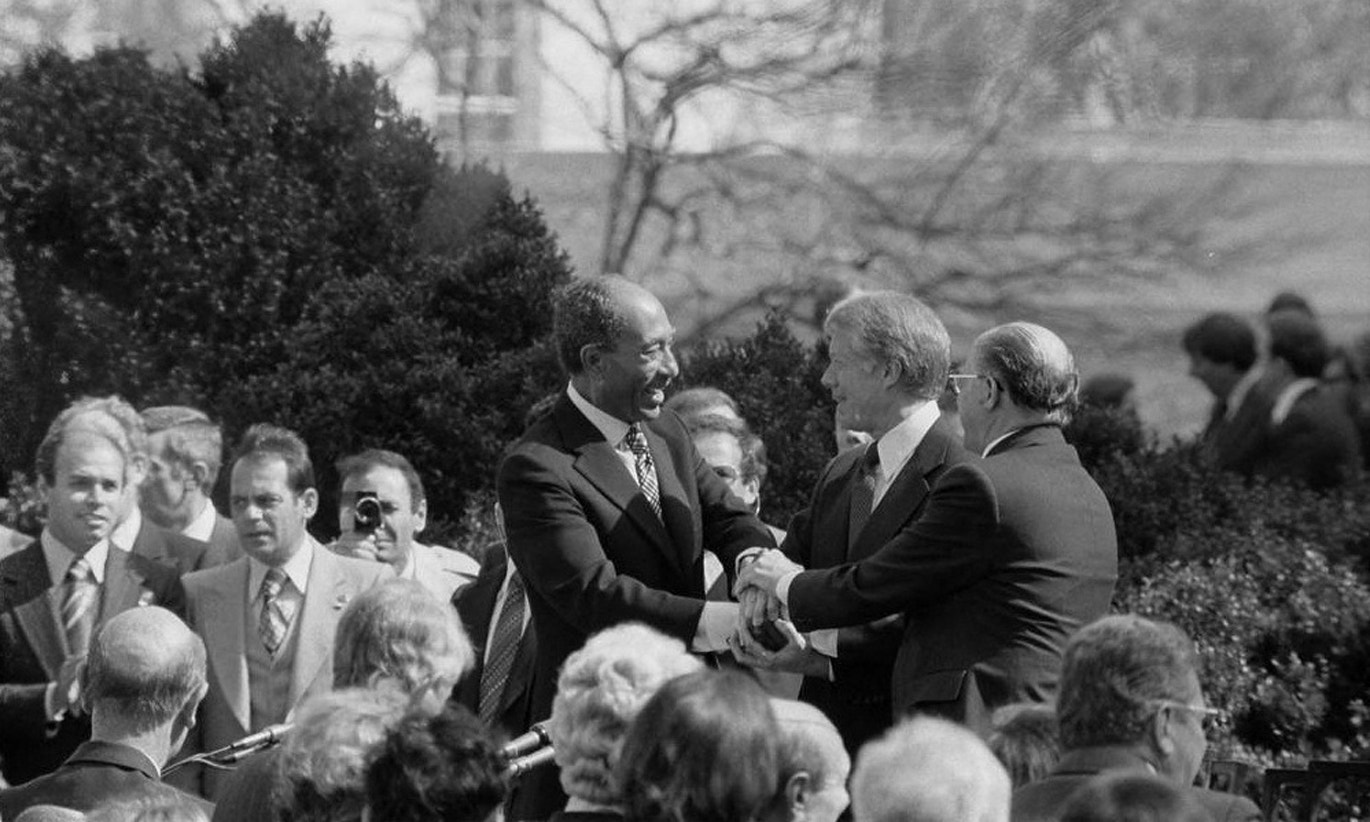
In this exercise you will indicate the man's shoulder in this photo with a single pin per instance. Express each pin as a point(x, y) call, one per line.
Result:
point(214, 577)
point(365, 571)
point(1042, 800)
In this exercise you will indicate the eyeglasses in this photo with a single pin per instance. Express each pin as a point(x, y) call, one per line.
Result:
point(954, 384)
point(1208, 717)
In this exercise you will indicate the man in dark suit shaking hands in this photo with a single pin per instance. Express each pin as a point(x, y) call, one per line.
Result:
point(889, 356)
point(608, 507)
point(1012, 555)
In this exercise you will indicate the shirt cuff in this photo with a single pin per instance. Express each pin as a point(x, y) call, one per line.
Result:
point(824, 641)
point(782, 588)
point(747, 556)
point(717, 622)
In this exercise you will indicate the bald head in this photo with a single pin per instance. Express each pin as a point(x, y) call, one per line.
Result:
point(144, 666)
point(814, 752)
point(1033, 364)
point(929, 770)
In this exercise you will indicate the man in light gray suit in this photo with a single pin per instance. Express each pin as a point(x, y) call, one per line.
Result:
point(268, 618)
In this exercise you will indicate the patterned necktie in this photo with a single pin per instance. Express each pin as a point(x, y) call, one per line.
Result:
point(80, 592)
point(646, 469)
point(276, 611)
point(503, 646)
point(863, 493)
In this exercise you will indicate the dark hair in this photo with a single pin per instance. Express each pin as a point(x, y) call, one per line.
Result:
point(586, 312)
point(358, 464)
point(1108, 390)
point(1222, 338)
point(1297, 339)
point(1023, 737)
point(1290, 301)
point(1133, 797)
point(444, 768)
point(1113, 672)
point(705, 748)
point(263, 441)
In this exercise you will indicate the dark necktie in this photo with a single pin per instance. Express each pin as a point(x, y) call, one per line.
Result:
point(79, 596)
point(275, 619)
point(646, 469)
point(503, 646)
point(863, 493)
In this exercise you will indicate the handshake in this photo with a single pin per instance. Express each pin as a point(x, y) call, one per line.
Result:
point(764, 637)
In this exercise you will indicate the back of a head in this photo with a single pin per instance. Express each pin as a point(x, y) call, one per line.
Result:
point(1222, 338)
point(693, 403)
point(444, 768)
point(321, 769)
point(929, 770)
point(143, 667)
point(600, 690)
point(397, 632)
point(1113, 672)
point(1290, 301)
point(894, 327)
point(814, 761)
point(1034, 365)
point(703, 749)
point(1296, 338)
point(160, 808)
point(1107, 390)
point(1024, 738)
point(1133, 797)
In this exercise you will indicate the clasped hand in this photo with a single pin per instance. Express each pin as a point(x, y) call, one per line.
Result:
point(756, 586)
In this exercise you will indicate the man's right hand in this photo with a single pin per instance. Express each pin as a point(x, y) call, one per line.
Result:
point(357, 546)
point(66, 697)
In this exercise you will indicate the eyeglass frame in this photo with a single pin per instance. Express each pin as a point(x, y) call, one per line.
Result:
point(1208, 716)
point(955, 388)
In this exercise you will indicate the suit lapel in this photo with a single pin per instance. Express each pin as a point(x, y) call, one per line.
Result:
point(677, 523)
point(37, 607)
point(906, 494)
point(225, 608)
point(325, 597)
point(123, 585)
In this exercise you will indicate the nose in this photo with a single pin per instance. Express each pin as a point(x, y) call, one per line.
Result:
point(828, 380)
point(669, 365)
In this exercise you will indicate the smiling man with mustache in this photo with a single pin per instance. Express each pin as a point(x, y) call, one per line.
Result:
point(608, 506)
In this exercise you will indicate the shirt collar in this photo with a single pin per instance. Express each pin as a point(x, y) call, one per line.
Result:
point(613, 428)
point(1241, 389)
point(202, 527)
point(296, 569)
point(1284, 403)
point(896, 447)
point(126, 533)
point(59, 558)
point(997, 440)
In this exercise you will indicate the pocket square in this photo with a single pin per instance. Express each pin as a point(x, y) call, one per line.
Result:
point(146, 598)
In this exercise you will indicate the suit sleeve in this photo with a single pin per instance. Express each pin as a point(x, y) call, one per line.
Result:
point(940, 552)
point(558, 552)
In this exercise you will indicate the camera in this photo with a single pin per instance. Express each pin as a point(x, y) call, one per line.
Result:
point(366, 514)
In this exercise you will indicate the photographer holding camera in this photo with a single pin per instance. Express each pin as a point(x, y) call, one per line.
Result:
point(381, 507)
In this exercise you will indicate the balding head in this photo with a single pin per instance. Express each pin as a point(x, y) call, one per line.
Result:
point(145, 667)
point(816, 762)
point(1027, 377)
point(929, 770)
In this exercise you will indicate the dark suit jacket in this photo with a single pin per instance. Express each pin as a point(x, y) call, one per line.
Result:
point(857, 699)
point(1011, 555)
point(1043, 801)
point(98, 772)
point(1233, 443)
point(250, 790)
point(475, 604)
point(33, 647)
point(1315, 445)
point(591, 550)
point(170, 548)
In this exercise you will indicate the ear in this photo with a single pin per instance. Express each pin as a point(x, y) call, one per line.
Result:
point(590, 357)
point(191, 709)
point(309, 498)
point(197, 476)
point(1161, 739)
point(797, 790)
point(421, 516)
point(893, 372)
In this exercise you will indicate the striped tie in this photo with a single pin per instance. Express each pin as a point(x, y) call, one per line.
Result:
point(79, 595)
point(646, 469)
point(276, 611)
point(503, 646)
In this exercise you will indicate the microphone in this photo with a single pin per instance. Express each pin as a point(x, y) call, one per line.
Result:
point(266, 737)
point(523, 764)
point(537, 737)
point(233, 752)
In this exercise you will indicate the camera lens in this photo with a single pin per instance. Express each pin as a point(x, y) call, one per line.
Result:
point(366, 516)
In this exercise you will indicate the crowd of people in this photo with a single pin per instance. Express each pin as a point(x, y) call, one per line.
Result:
point(929, 639)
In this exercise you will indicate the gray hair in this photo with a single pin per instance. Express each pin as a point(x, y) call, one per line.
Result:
point(701, 401)
point(929, 770)
point(601, 689)
point(1113, 672)
point(587, 311)
point(898, 328)
point(144, 666)
point(1034, 366)
point(191, 437)
point(808, 739)
point(398, 632)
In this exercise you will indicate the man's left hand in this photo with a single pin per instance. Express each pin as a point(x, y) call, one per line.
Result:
point(796, 657)
point(765, 572)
